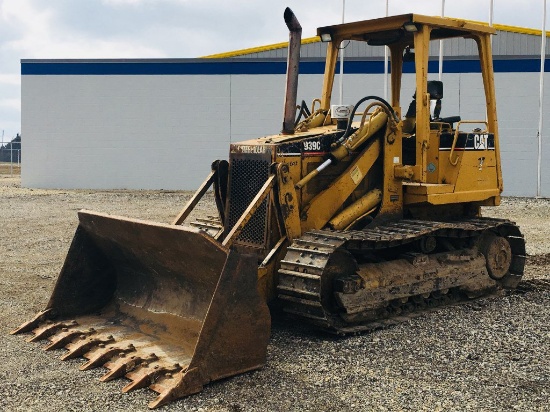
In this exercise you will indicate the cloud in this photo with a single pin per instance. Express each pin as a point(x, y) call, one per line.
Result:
point(122, 2)
point(21, 18)
point(14, 104)
point(41, 35)
point(10, 79)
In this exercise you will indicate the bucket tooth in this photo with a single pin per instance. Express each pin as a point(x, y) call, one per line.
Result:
point(142, 377)
point(187, 382)
point(51, 328)
point(120, 367)
point(147, 375)
point(67, 336)
point(102, 355)
point(125, 364)
point(33, 323)
point(165, 382)
point(79, 348)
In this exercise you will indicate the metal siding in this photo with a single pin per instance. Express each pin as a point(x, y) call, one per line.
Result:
point(153, 132)
point(306, 52)
point(518, 45)
point(450, 48)
point(109, 132)
point(502, 41)
point(518, 120)
point(510, 44)
point(530, 45)
point(256, 106)
point(495, 45)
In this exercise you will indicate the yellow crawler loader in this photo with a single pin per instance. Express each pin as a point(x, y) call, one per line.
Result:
point(350, 219)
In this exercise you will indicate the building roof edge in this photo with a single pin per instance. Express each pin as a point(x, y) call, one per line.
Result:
point(316, 39)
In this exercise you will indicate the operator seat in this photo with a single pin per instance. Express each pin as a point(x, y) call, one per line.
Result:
point(409, 122)
point(435, 90)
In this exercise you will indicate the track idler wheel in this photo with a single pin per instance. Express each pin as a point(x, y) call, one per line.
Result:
point(498, 253)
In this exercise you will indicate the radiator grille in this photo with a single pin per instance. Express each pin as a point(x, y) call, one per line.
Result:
point(247, 178)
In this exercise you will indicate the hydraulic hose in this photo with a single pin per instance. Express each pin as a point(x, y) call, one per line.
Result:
point(384, 102)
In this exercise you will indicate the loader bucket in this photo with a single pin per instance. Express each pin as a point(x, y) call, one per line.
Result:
point(165, 306)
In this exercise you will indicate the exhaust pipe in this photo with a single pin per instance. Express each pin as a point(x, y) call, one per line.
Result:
point(292, 70)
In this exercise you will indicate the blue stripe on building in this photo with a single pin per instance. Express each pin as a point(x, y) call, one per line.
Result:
point(261, 67)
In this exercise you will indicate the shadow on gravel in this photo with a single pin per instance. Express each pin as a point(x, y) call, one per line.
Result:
point(539, 260)
point(281, 325)
point(532, 285)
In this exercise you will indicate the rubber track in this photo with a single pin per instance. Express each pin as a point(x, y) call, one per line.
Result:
point(301, 271)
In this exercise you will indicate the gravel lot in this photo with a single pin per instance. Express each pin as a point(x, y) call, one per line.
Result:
point(487, 354)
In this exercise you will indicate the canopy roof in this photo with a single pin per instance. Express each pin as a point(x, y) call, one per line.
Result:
point(399, 29)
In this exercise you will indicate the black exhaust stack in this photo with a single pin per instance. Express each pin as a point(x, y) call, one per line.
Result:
point(292, 70)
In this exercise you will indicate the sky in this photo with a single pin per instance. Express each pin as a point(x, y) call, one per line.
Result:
point(88, 29)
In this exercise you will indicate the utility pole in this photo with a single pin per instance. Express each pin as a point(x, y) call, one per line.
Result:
point(541, 97)
point(441, 44)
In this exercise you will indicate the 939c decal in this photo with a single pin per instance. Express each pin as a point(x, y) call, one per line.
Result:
point(315, 147)
point(309, 146)
point(312, 146)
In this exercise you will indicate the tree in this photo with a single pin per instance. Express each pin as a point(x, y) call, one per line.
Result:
point(6, 154)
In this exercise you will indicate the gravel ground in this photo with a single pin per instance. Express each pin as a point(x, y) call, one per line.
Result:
point(487, 354)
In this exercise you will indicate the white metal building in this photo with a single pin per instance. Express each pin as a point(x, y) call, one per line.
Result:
point(158, 124)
